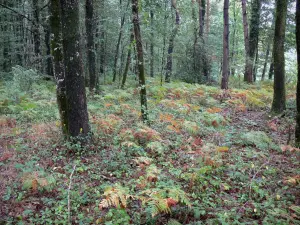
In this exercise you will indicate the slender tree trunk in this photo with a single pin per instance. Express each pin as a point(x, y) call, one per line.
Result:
point(248, 77)
point(271, 69)
point(164, 46)
point(266, 60)
point(36, 33)
point(58, 64)
point(78, 122)
point(152, 43)
point(140, 58)
point(128, 60)
point(207, 27)
point(49, 66)
point(89, 23)
point(279, 101)
point(297, 133)
point(118, 44)
point(6, 42)
point(269, 43)
point(225, 71)
point(171, 44)
point(201, 16)
point(232, 59)
point(254, 33)
point(194, 17)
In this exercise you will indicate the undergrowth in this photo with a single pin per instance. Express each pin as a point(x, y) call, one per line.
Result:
point(209, 157)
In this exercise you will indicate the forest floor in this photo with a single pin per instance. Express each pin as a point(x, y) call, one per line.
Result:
point(208, 157)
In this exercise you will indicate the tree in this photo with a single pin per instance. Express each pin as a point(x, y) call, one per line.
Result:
point(225, 70)
point(58, 64)
point(279, 101)
point(248, 77)
point(171, 43)
point(253, 35)
point(128, 60)
point(119, 42)
point(36, 32)
point(152, 42)
point(78, 122)
point(89, 21)
point(140, 60)
point(297, 133)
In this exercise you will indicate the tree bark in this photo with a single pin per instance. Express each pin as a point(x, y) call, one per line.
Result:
point(225, 71)
point(128, 60)
point(232, 59)
point(78, 122)
point(248, 66)
point(297, 132)
point(118, 44)
point(254, 33)
point(58, 64)
point(49, 66)
point(36, 33)
point(89, 23)
point(152, 43)
point(266, 60)
point(279, 101)
point(140, 61)
point(171, 44)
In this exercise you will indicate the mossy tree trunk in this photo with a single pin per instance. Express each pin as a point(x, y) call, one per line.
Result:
point(89, 23)
point(225, 70)
point(58, 64)
point(279, 101)
point(140, 61)
point(78, 122)
point(297, 133)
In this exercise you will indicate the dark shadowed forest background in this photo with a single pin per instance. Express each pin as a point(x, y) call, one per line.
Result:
point(149, 112)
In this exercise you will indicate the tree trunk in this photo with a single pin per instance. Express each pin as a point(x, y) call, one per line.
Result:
point(225, 71)
point(266, 60)
point(36, 33)
point(58, 64)
point(152, 43)
point(297, 133)
point(232, 59)
point(128, 60)
point(248, 66)
point(279, 101)
point(269, 44)
point(254, 33)
point(207, 27)
point(271, 70)
point(78, 122)
point(171, 44)
point(118, 44)
point(140, 61)
point(49, 66)
point(89, 23)
point(201, 16)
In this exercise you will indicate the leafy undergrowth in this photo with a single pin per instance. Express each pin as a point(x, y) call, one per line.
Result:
point(209, 157)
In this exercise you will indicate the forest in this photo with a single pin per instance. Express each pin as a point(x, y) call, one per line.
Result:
point(150, 112)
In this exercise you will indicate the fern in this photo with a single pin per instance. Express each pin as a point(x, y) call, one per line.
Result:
point(115, 196)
